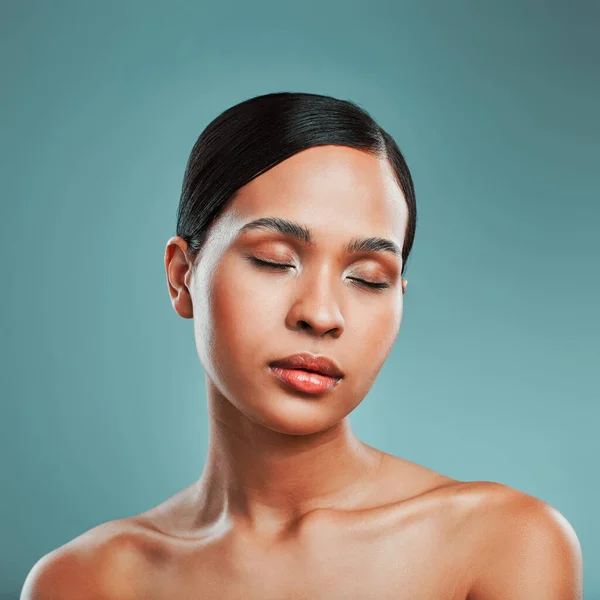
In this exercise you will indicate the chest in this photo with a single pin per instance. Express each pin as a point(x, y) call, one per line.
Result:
point(418, 564)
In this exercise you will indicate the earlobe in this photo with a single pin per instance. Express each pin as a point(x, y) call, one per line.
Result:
point(183, 304)
point(404, 284)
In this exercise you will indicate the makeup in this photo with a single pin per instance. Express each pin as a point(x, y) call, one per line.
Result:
point(305, 381)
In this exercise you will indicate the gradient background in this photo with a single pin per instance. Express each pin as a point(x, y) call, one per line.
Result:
point(495, 372)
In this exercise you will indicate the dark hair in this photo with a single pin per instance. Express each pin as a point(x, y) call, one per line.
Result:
point(255, 135)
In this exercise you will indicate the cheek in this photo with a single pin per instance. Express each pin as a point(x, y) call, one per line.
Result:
point(244, 314)
point(374, 333)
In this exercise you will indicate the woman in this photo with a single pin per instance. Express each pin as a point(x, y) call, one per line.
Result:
point(295, 223)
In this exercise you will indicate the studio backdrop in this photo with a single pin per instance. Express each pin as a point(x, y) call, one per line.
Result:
point(494, 374)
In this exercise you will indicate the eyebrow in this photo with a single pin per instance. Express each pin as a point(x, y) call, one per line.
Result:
point(304, 235)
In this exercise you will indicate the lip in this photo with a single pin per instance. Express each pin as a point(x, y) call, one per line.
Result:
point(305, 381)
point(307, 373)
point(317, 363)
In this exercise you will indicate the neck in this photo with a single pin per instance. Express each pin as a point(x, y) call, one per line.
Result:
point(268, 481)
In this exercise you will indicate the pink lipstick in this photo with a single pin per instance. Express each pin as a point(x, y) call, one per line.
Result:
point(307, 373)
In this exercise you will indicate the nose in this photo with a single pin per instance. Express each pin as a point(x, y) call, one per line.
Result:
point(315, 308)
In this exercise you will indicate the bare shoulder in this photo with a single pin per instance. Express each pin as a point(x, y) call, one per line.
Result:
point(525, 548)
point(96, 565)
point(516, 546)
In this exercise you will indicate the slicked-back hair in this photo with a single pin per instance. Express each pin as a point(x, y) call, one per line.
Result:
point(253, 136)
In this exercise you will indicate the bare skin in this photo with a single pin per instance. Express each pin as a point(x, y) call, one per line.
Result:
point(291, 505)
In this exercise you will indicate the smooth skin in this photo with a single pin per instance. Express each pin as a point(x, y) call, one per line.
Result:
point(291, 505)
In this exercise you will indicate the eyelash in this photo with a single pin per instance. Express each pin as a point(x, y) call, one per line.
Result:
point(282, 267)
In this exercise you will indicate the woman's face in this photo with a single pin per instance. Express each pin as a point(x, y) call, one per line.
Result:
point(247, 315)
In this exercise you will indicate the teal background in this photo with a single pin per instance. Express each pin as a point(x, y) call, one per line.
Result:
point(494, 375)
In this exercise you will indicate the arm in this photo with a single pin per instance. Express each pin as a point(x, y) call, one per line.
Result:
point(533, 553)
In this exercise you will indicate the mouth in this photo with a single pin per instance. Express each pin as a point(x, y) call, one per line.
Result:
point(307, 373)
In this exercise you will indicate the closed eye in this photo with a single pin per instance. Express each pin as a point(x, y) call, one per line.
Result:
point(283, 267)
point(270, 264)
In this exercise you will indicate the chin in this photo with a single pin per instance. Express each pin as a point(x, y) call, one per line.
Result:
point(294, 416)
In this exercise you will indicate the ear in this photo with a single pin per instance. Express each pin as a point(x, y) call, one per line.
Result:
point(178, 267)
point(404, 283)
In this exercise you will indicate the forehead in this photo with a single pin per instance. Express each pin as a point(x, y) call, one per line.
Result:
point(336, 191)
